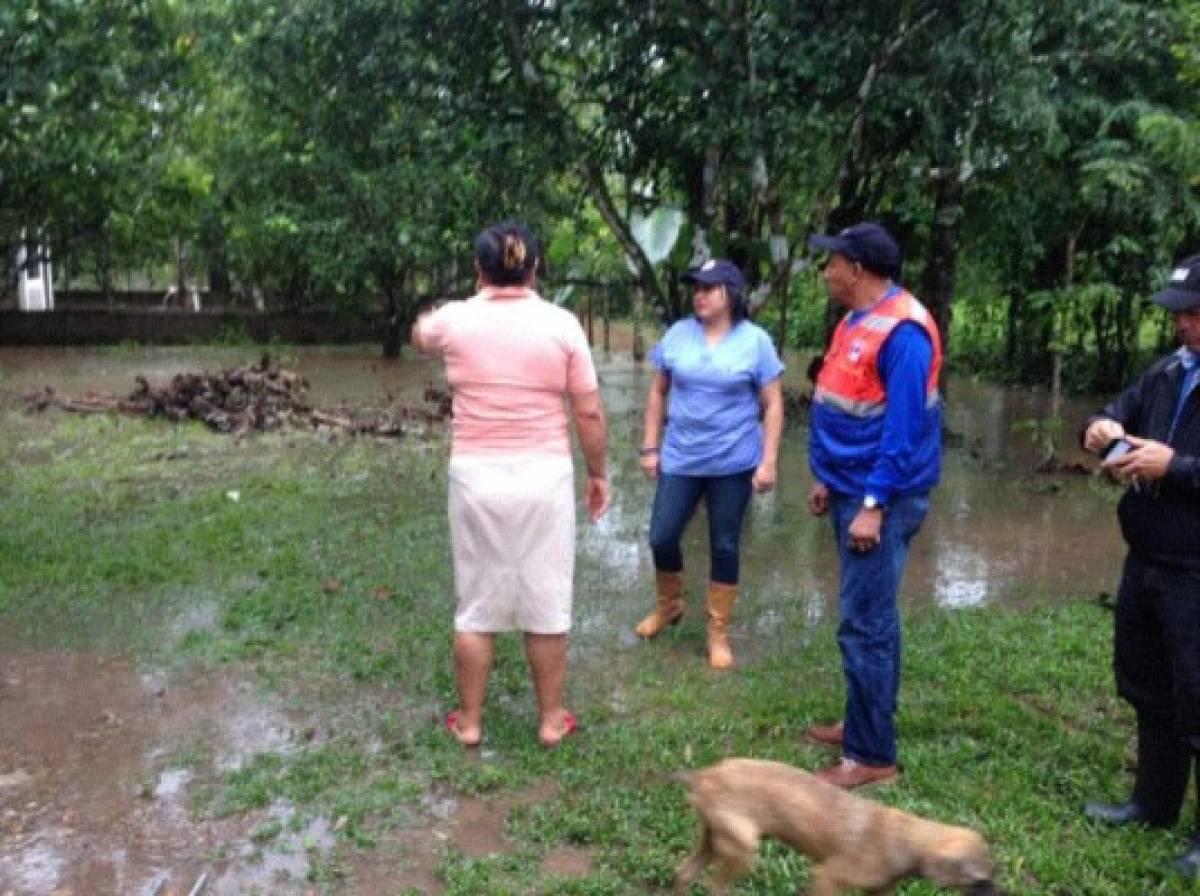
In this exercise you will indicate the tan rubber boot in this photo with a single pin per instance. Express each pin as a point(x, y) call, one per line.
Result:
point(721, 598)
point(669, 608)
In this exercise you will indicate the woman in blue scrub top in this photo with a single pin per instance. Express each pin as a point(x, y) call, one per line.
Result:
point(717, 389)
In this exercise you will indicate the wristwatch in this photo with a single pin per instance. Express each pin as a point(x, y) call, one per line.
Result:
point(870, 502)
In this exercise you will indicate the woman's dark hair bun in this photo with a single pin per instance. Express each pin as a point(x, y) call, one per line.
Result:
point(514, 252)
point(507, 254)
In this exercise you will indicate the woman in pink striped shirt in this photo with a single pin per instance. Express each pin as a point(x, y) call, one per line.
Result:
point(515, 364)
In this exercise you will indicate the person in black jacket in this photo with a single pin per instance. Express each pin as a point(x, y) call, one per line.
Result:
point(1150, 437)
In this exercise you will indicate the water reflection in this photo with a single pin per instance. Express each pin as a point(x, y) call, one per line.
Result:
point(962, 578)
point(997, 532)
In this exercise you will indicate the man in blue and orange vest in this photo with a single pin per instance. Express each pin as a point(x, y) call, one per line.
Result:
point(875, 453)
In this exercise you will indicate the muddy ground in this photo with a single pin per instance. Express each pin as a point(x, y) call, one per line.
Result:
point(91, 800)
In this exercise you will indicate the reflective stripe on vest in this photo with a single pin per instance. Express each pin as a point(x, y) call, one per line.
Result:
point(849, 379)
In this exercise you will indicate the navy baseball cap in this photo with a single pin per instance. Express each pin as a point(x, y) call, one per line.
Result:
point(716, 272)
point(1182, 292)
point(867, 243)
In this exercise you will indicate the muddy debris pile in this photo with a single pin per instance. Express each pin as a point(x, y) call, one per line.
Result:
point(253, 398)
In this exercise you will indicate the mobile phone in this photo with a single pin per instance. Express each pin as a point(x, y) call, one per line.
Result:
point(1116, 448)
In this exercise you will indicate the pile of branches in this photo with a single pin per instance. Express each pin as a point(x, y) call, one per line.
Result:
point(252, 398)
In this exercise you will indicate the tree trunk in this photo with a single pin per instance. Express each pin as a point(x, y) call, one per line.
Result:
point(781, 265)
point(104, 275)
point(607, 320)
point(1125, 337)
point(590, 335)
point(219, 284)
point(937, 282)
point(181, 269)
point(393, 324)
point(1056, 345)
point(639, 302)
point(620, 230)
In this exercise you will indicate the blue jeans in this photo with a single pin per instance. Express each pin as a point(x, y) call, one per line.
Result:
point(675, 500)
point(869, 624)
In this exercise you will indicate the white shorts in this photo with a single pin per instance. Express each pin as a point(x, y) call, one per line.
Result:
point(512, 528)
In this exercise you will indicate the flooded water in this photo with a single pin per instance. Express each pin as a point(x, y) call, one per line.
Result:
point(997, 531)
point(91, 800)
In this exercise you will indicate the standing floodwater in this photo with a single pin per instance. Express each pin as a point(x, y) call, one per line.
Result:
point(997, 532)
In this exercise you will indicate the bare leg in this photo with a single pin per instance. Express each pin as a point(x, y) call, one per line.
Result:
point(473, 652)
point(547, 655)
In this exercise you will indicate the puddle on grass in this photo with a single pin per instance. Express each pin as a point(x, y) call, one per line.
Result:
point(285, 862)
point(89, 800)
point(475, 827)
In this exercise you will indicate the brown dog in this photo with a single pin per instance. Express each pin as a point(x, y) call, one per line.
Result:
point(856, 843)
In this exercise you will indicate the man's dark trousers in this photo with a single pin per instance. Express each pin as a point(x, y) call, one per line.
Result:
point(1157, 663)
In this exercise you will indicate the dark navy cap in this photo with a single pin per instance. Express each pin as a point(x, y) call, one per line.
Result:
point(1182, 292)
point(867, 243)
point(716, 272)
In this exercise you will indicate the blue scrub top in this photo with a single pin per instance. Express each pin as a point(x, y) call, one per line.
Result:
point(713, 425)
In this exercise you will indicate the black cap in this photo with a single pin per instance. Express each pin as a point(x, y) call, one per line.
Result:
point(867, 243)
point(1182, 292)
point(716, 272)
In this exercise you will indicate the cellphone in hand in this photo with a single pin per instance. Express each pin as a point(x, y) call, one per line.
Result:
point(1116, 448)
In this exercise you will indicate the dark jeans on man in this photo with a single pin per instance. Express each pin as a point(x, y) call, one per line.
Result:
point(725, 499)
point(869, 624)
point(1156, 658)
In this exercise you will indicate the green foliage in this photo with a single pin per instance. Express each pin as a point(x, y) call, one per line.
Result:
point(808, 312)
point(1175, 140)
point(86, 92)
point(339, 153)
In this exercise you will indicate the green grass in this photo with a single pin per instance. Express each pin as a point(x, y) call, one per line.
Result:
point(322, 567)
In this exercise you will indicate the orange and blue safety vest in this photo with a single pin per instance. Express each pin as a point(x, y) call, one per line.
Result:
point(876, 429)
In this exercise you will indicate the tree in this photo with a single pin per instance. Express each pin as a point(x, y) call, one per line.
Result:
point(85, 92)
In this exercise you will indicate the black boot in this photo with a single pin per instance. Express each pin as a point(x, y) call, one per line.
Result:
point(1164, 762)
point(1115, 813)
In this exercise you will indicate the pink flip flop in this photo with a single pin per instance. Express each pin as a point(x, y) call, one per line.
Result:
point(452, 726)
point(570, 726)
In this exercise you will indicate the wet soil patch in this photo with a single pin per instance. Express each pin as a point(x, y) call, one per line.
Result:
point(91, 799)
point(100, 763)
point(475, 827)
point(567, 861)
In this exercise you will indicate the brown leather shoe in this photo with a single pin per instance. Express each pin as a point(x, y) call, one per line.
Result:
point(827, 734)
point(850, 775)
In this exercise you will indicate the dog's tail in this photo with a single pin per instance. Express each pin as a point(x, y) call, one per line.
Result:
point(690, 778)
